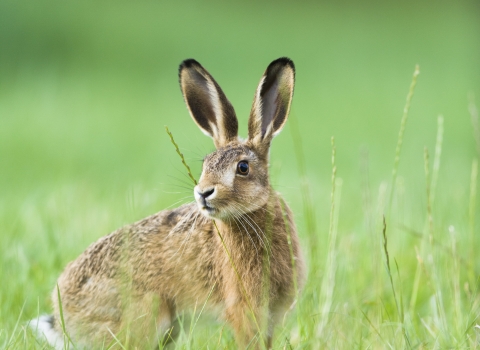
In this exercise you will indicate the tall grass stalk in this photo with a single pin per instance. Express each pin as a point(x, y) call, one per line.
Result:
point(307, 329)
point(473, 110)
point(266, 267)
point(398, 303)
point(440, 318)
point(308, 207)
point(377, 244)
point(328, 284)
point(431, 184)
point(471, 220)
point(195, 320)
point(292, 260)
point(11, 340)
point(436, 160)
point(116, 341)
point(456, 280)
point(66, 337)
point(403, 124)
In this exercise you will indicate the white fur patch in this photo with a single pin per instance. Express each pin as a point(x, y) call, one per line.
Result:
point(215, 131)
point(229, 176)
point(258, 107)
point(217, 106)
point(217, 127)
point(43, 327)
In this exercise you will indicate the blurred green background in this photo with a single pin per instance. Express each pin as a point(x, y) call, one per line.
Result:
point(86, 89)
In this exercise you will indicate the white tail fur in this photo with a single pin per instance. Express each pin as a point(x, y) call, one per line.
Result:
point(43, 326)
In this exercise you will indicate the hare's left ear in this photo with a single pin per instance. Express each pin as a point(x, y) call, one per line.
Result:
point(207, 104)
point(271, 103)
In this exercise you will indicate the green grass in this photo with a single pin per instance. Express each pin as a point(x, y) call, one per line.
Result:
point(87, 88)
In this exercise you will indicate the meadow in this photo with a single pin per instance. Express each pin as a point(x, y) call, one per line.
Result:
point(390, 230)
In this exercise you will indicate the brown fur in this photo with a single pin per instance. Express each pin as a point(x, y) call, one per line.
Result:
point(132, 282)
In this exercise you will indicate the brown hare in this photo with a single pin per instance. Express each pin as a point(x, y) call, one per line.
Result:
point(235, 251)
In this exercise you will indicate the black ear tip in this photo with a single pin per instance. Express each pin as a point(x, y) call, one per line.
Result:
point(188, 63)
point(282, 61)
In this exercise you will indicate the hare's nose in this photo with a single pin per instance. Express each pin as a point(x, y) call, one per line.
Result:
point(205, 194)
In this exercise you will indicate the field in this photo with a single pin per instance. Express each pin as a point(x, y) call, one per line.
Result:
point(86, 90)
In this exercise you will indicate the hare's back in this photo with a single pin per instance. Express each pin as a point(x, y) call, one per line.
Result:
point(109, 256)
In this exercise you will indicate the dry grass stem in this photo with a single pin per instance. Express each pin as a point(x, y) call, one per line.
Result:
point(403, 124)
point(180, 154)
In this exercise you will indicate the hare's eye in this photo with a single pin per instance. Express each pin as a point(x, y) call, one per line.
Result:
point(242, 168)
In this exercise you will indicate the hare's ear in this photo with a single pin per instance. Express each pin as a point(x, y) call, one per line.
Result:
point(272, 102)
point(207, 104)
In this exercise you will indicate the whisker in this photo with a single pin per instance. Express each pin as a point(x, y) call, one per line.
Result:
point(245, 218)
point(251, 222)
point(176, 192)
point(237, 219)
point(184, 181)
point(179, 201)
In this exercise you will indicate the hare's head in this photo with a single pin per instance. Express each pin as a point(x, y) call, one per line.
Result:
point(235, 179)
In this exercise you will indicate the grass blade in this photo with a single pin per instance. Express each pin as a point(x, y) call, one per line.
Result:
point(403, 124)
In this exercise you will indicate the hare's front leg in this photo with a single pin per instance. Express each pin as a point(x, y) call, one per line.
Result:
point(167, 327)
point(247, 325)
point(243, 322)
point(277, 313)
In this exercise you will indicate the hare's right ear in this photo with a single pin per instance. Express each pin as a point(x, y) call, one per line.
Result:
point(207, 104)
point(271, 103)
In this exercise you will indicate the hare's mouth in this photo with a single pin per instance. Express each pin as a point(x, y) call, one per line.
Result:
point(208, 208)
